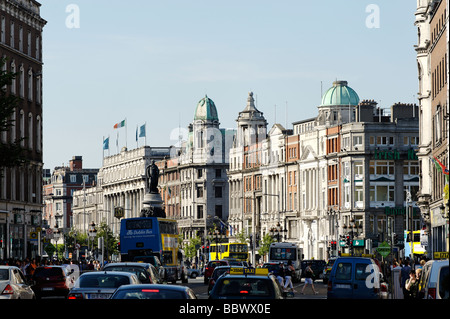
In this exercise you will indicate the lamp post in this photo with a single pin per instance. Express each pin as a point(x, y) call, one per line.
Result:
point(277, 231)
point(92, 233)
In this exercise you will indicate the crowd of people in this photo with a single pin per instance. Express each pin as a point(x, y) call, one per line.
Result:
point(404, 276)
point(29, 265)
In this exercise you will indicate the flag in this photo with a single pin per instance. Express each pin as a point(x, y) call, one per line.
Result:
point(119, 125)
point(442, 168)
point(169, 193)
point(142, 131)
point(106, 144)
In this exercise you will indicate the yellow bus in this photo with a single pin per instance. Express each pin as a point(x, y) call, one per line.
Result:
point(238, 251)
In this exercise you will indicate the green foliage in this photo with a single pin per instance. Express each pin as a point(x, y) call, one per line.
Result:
point(191, 248)
point(265, 244)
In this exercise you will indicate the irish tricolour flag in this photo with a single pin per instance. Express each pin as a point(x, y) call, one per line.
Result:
point(120, 124)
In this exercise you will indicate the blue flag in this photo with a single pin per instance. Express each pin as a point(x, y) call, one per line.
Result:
point(142, 131)
point(106, 144)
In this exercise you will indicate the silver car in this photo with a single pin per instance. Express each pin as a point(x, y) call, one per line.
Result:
point(13, 284)
point(101, 284)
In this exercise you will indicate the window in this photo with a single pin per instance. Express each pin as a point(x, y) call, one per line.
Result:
point(199, 211)
point(381, 168)
point(359, 196)
point(218, 173)
point(359, 168)
point(357, 140)
point(218, 191)
point(411, 168)
point(382, 193)
point(199, 191)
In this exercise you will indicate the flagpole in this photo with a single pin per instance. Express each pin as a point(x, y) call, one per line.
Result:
point(145, 136)
point(126, 135)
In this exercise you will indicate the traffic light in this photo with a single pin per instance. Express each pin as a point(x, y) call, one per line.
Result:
point(333, 245)
point(348, 241)
point(1, 243)
point(118, 246)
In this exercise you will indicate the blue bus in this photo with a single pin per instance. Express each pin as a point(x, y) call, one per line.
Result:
point(153, 236)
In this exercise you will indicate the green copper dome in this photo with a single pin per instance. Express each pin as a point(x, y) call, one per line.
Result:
point(340, 94)
point(206, 110)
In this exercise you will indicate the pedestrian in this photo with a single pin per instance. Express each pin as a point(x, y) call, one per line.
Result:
point(290, 272)
point(281, 274)
point(309, 276)
point(404, 276)
point(411, 286)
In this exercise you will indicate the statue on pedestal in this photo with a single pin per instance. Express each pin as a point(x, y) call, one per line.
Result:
point(152, 174)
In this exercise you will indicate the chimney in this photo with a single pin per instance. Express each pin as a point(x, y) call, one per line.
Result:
point(76, 163)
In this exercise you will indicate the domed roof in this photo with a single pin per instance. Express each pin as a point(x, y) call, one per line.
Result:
point(340, 94)
point(206, 110)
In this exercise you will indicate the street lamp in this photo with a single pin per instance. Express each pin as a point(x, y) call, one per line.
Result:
point(92, 233)
point(277, 232)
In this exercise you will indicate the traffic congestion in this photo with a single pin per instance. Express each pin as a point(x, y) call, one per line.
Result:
point(337, 278)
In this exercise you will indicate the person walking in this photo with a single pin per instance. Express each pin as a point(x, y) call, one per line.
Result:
point(309, 275)
point(290, 272)
point(404, 276)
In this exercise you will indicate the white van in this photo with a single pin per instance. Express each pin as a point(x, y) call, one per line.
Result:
point(433, 283)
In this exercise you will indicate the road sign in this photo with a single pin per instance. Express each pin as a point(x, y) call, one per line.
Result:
point(49, 231)
point(384, 249)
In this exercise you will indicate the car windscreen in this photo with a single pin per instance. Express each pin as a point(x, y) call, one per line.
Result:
point(103, 281)
point(149, 294)
point(138, 271)
point(240, 287)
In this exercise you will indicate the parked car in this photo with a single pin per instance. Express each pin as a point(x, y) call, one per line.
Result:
point(146, 291)
point(154, 260)
point(145, 272)
point(317, 265)
point(13, 284)
point(51, 281)
point(349, 279)
point(434, 280)
point(210, 268)
point(101, 284)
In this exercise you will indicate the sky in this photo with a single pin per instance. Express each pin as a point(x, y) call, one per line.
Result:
point(151, 61)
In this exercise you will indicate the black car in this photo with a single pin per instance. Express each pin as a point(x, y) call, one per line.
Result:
point(154, 260)
point(247, 283)
point(144, 291)
point(317, 266)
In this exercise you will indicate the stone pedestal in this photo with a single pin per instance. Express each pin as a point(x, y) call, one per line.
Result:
point(152, 205)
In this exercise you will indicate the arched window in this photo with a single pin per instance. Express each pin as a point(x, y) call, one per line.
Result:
point(30, 84)
point(22, 127)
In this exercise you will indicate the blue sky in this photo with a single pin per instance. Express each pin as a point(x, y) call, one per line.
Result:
point(152, 61)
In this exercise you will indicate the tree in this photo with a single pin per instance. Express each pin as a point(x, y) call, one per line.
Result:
point(12, 151)
point(265, 244)
point(191, 248)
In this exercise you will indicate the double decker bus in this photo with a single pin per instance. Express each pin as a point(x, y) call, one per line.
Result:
point(415, 247)
point(153, 236)
point(238, 251)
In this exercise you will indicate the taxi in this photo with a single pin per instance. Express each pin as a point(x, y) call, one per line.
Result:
point(247, 283)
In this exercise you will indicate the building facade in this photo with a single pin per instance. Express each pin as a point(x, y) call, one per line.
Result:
point(345, 172)
point(21, 28)
point(194, 182)
point(433, 73)
point(58, 194)
point(121, 187)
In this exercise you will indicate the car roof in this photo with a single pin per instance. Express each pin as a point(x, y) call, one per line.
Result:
point(103, 272)
point(154, 286)
point(136, 264)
